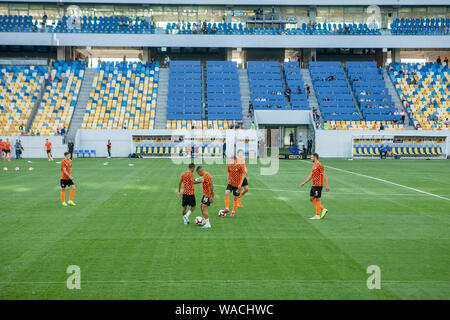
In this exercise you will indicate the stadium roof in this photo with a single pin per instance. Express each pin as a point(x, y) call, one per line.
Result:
point(255, 3)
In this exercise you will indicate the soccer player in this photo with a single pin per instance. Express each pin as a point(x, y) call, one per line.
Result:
point(67, 180)
point(235, 180)
point(48, 148)
point(241, 160)
point(7, 150)
point(108, 147)
point(1, 148)
point(188, 180)
point(317, 175)
point(208, 194)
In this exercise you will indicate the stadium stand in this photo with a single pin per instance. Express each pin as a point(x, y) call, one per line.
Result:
point(433, 26)
point(241, 29)
point(123, 95)
point(266, 86)
point(59, 98)
point(14, 23)
point(332, 92)
point(222, 91)
point(112, 24)
point(19, 90)
point(371, 93)
point(185, 94)
point(294, 81)
point(424, 90)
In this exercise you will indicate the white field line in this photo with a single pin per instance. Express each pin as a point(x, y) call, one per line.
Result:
point(307, 191)
point(390, 182)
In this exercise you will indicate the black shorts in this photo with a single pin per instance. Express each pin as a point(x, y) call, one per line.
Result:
point(235, 190)
point(188, 200)
point(49, 151)
point(316, 192)
point(66, 183)
point(245, 182)
point(205, 201)
point(6, 151)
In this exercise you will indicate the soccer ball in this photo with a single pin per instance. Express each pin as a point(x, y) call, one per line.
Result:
point(222, 214)
point(30, 168)
point(199, 220)
point(6, 169)
point(17, 168)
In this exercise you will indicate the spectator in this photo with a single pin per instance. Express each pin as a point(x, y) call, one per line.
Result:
point(291, 139)
point(446, 61)
point(250, 109)
point(63, 131)
point(381, 127)
point(19, 149)
point(166, 61)
point(309, 145)
point(70, 147)
point(224, 150)
point(438, 60)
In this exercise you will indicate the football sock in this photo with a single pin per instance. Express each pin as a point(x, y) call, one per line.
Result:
point(72, 193)
point(235, 203)
point(239, 200)
point(227, 202)
point(318, 207)
point(63, 196)
point(188, 214)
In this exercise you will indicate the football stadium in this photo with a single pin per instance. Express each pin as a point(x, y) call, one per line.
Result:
point(225, 150)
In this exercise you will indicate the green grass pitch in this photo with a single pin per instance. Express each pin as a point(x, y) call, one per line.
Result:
point(127, 236)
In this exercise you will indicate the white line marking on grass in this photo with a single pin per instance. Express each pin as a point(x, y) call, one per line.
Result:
point(345, 193)
point(389, 182)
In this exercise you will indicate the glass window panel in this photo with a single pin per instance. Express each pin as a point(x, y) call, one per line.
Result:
point(404, 13)
point(322, 15)
point(439, 12)
point(419, 12)
point(336, 15)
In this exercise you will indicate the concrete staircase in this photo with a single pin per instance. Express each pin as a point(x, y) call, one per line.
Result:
point(395, 98)
point(161, 100)
point(35, 107)
point(312, 99)
point(244, 88)
point(285, 85)
point(80, 107)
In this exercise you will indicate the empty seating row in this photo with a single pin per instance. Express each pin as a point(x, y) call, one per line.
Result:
point(422, 26)
point(123, 96)
point(60, 97)
point(361, 125)
point(332, 92)
point(398, 151)
point(266, 86)
point(424, 90)
point(204, 124)
point(20, 87)
point(222, 91)
point(370, 91)
point(179, 149)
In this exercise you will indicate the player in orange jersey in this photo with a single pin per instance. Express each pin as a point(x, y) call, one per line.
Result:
point(241, 160)
point(6, 149)
point(1, 148)
point(48, 149)
point(188, 180)
point(67, 180)
point(318, 176)
point(208, 194)
point(235, 179)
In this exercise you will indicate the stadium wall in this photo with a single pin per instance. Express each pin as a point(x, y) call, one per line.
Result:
point(223, 41)
point(338, 143)
point(34, 146)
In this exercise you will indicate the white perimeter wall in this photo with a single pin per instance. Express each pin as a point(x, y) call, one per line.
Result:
point(338, 143)
point(34, 146)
